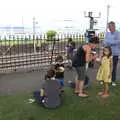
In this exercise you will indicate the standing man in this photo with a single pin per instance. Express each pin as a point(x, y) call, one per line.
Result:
point(81, 58)
point(112, 38)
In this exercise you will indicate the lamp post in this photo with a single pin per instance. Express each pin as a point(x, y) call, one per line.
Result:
point(34, 32)
point(108, 11)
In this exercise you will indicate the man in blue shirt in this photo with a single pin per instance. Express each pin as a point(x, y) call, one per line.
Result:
point(112, 39)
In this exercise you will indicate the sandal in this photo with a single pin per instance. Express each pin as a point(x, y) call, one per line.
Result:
point(105, 95)
point(76, 92)
point(83, 95)
point(100, 93)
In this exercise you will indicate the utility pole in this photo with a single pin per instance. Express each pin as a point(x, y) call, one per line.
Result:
point(92, 20)
point(90, 32)
point(108, 12)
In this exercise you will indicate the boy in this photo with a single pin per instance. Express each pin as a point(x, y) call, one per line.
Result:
point(50, 93)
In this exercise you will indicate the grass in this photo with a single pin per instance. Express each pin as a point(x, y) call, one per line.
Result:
point(18, 42)
point(16, 107)
point(15, 42)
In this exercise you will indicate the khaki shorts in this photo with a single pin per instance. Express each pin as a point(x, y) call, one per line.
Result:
point(80, 73)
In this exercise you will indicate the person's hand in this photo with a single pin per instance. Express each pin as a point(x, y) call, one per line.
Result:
point(92, 57)
point(109, 76)
point(112, 44)
point(98, 60)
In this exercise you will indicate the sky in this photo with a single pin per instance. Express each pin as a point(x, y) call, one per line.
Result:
point(52, 14)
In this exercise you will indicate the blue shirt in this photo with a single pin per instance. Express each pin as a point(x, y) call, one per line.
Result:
point(113, 40)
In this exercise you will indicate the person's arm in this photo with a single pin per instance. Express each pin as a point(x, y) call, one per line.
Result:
point(106, 41)
point(88, 55)
point(115, 41)
point(111, 68)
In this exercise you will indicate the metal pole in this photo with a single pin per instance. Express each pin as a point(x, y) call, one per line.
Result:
point(108, 12)
point(91, 23)
point(52, 51)
point(34, 34)
point(23, 24)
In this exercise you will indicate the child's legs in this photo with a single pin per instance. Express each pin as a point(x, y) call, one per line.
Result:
point(37, 96)
point(106, 88)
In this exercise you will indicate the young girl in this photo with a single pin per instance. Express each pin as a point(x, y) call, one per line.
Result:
point(105, 71)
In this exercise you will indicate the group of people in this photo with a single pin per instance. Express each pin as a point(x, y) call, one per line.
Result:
point(52, 91)
point(108, 61)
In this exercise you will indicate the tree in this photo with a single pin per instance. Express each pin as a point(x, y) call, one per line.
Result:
point(51, 35)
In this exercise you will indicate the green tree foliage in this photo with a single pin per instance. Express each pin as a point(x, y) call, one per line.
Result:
point(51, 34)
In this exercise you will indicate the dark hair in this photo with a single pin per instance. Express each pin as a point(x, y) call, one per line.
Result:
point(94, 40)
point(59, 58)
point(110, 51)
point(73, 44)
point(50, 74)
point(111, 23)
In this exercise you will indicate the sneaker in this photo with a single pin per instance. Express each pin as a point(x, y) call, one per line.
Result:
point(101, 82)
point(113, 84)
point(31, 100)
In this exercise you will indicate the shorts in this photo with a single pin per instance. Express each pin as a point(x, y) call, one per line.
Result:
point(80, 73)
point(61, 82)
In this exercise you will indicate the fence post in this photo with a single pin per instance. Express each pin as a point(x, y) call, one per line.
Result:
point(34, 44)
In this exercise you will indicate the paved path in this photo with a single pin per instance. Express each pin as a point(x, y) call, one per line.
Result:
point(29, 81)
